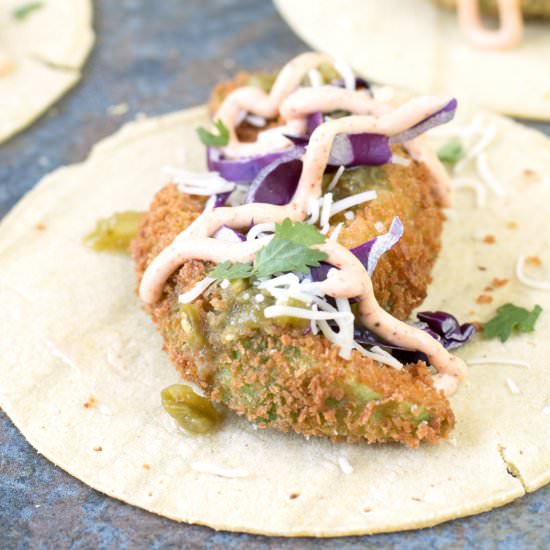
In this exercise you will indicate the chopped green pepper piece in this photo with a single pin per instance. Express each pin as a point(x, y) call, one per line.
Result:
point(190, 410)
point(114, 234)
point(452, 151)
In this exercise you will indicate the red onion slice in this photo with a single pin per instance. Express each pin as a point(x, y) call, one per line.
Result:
point(276, 183)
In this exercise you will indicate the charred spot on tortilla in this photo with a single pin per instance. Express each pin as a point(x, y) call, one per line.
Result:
point(283, 306)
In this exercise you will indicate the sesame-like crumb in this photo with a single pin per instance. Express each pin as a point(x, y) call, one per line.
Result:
point(535, 261)
point(489, 239)
point(484, 299)
point(90, 403)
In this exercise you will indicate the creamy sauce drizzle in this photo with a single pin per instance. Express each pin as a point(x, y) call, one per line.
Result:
point(509, 33)
point(350, 280)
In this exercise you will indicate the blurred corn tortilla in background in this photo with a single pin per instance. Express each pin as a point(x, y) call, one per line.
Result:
point(418, 45)
point(46, 50)
point(82, 367)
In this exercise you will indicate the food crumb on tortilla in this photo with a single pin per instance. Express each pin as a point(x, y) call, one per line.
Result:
point(90, 403)
point(496, 283)
point(535, 261)
point(344, 464)
point(146, 466)
point(489, 239)
point(512, 386)
point(484, 299)
point(98, 449)
point(293, 496)
point(40, 227)
point(482, 268)
point(367, 510)
point(512, 225)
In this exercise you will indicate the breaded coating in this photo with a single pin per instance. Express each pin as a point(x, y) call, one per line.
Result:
point(403, 274)
point(274, 373)
point(531, 8)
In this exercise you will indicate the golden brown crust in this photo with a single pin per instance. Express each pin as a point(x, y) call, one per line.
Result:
point(280, 384)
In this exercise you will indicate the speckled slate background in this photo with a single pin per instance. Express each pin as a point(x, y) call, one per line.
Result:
point(158, 56)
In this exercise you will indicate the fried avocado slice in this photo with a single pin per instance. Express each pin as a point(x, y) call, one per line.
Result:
point(278, 377)
point(275, 375)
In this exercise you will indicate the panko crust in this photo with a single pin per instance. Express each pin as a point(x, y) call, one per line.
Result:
point(302, 398)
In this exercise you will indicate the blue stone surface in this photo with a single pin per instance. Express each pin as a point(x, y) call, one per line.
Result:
point(160, 56)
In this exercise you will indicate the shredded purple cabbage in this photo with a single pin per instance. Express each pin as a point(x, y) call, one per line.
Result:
point(276, 183)
point(442, 326)
point(239, 170)
point(226, 233)
point(367, 253)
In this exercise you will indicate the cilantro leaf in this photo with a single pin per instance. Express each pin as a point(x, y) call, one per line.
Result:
point(216, 140)
point(452, 151)
point(509, 318)
point(228, 270)
point(299, 233)
point(287, 256)
point(22, 12)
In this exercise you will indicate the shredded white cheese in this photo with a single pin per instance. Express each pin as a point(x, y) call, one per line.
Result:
point(225, 284)
point(326, 204)
point(198, 183)
point(220, 471)
point(475, 186)
point(336, 178)
point(497, 361)
point(259, 230)
point(539, 285)
point(315, 78)
point(336, 232)
point(352, 200)
point(350, 215)
point(313, 211)
point(195, 291)
point(344, 464)
point(385, 358)
point(401, 161)
point(345, 71)
point(487, 135)
point(256, 120)
point(487, 175)
point(512, 386)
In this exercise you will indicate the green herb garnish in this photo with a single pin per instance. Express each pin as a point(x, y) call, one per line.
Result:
point(288, 251)
point(22, 12)
point(452, 151)
point(215, 140)
point(231, 271)
point(509, 318)
point(298, 233)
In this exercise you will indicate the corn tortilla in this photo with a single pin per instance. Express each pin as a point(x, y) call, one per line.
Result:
point(81, 364)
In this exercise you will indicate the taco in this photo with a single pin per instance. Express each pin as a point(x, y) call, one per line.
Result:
point(510, 13)
point(43, 46)
point(82, 365)
point(433, 55)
